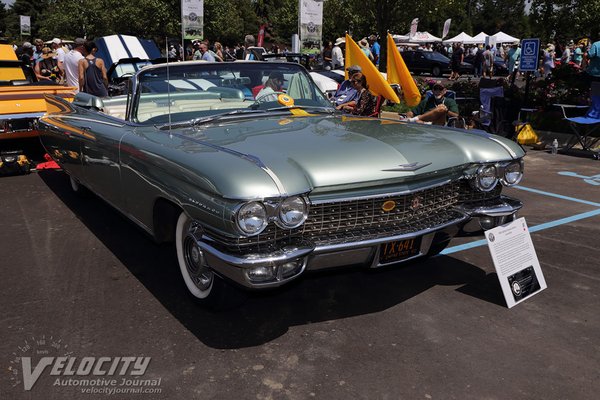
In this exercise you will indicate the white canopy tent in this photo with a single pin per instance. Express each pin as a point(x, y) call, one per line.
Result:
point(400, 38)
point(460, 38)
point(502, 37)
point(424, 37)
point(477, 39)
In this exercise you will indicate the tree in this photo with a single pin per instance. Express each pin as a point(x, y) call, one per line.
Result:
point(32, 8)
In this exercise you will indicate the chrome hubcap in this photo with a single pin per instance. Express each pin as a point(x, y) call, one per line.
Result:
point(195, 263)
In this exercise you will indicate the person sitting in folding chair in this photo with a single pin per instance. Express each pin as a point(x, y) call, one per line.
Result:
point(366, 103)
point(585, 125)
point(435, 109)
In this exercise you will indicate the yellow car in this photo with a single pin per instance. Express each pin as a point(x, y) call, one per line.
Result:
point(22, 101)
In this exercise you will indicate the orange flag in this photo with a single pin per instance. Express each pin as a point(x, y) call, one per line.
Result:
point(377, 85)
point(397, 72)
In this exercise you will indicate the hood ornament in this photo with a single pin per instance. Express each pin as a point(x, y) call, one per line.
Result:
point(408, 167)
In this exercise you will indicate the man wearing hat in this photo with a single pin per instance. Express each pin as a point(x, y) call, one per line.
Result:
point(273, 87)
point(72, 59)
point(60, 53)
point(346, 93)
point(434, 109)
point(337, 55)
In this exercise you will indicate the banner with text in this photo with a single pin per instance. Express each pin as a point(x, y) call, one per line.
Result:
point(192, 19)
point(311, 25)
point(25, 24)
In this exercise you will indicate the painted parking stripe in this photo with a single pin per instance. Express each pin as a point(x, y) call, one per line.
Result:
point(540, 227)
point(537, 228)
point(558, 196)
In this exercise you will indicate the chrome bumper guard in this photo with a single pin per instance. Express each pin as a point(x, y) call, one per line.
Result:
point(489, 215)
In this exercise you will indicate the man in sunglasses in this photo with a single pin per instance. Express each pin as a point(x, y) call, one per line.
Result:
point(434, 109)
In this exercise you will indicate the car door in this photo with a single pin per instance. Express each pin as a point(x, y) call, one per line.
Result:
point(100, 138)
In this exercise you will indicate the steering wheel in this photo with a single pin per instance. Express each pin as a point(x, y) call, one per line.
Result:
point(265, 97)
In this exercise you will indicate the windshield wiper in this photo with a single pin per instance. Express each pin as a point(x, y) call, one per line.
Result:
point(210, 118)
point(322, 109)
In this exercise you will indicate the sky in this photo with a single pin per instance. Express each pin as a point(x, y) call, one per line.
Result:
point(9, 2)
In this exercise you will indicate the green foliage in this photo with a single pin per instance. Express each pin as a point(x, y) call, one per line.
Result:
point(229, 21)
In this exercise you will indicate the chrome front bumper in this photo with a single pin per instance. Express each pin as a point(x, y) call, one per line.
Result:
point(310, 257)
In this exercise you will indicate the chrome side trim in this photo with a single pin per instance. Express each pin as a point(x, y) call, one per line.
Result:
point(93, 120)
point(508, 149)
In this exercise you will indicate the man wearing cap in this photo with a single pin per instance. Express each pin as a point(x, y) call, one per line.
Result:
point(273, 87)
point(71, 63)
point(60, 54)
point(346, 93)
point(337, 56)
point(434, 109)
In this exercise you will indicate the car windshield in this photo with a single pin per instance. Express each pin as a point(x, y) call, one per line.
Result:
point(434, 55)
point(197, 90)
point(128, 69)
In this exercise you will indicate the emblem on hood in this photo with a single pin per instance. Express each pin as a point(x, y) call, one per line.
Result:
point(408, 167)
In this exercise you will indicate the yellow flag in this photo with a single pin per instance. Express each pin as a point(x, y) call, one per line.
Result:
point(377, 85)
point(397, 72)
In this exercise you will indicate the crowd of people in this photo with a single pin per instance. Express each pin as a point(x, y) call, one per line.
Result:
point(73, 64)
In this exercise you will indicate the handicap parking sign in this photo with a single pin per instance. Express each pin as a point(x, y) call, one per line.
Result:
point(529, 54)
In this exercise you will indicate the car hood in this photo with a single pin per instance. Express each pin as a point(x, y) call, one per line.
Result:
point(287, 155)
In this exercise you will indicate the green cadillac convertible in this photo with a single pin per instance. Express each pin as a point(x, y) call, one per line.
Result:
point(258, 179)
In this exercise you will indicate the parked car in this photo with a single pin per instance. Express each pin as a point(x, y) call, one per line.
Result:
point(500, 67)
point(123, 56)
point(430, 62)
point(21, 97)
point(257, 189)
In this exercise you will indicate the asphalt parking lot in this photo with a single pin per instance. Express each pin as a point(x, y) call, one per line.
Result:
point(78, 279)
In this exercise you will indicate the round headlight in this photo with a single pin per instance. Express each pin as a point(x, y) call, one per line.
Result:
point(252, 218)
point(513, 173)
point(292, 212)
point(487, 179)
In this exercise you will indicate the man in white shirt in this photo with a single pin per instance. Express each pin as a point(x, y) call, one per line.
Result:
point(337, 56)
point(72, 63)
point(60, 54)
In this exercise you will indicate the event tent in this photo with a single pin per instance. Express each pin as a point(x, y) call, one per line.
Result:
point(423, 37)
point(460, 38)
point(400, 38)
point(502, 37)
point(477, 39)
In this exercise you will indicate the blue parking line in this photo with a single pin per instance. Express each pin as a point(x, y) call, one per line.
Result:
point(537, 228)
point(558, 196)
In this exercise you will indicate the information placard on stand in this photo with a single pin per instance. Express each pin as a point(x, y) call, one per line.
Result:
point(515, 261)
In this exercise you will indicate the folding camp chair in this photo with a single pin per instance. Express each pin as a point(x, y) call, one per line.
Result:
point(378, 104)
point(585, 125)
point(488, 89)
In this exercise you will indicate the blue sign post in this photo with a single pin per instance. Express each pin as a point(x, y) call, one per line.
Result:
point(530, 49)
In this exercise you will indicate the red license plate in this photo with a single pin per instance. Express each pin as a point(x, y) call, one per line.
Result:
point(399, 250)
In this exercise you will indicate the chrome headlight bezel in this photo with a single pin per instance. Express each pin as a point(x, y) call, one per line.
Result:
point(490, 171)
point(247, 211)
point(293, 204)
point(507, 169)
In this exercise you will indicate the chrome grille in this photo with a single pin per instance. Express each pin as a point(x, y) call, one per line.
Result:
point(364, 219)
